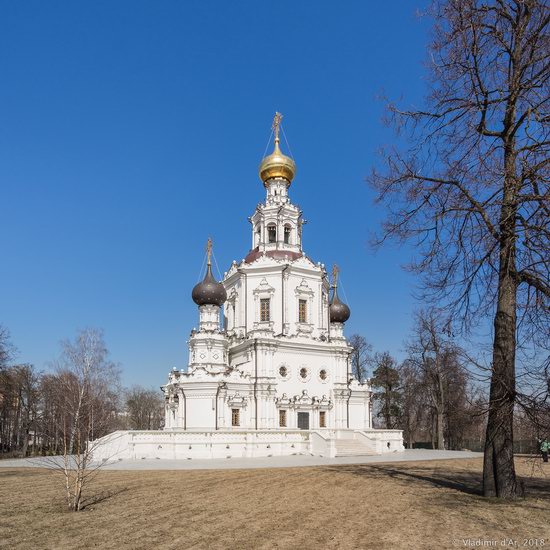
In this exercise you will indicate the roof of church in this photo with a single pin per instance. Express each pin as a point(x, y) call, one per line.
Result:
point(209, 291)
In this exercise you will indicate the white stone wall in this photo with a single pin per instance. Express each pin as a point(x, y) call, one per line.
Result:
point(196, 444)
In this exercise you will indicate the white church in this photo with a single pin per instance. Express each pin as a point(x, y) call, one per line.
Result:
point(269, 368)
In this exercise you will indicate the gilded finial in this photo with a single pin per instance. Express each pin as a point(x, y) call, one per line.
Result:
point(335, 271)
point(276, 125)
point(277, 164)
point(209, 250)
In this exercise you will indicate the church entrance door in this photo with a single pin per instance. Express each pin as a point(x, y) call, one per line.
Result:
point(303, 421)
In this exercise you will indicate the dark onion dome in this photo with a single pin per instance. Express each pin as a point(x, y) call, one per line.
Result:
point(338, 311)
point(209, 291)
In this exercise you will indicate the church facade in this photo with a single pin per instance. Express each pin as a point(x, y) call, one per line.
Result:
point(269, 367)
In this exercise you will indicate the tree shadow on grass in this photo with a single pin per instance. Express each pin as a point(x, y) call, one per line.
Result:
point(97, 498)
point(465, 482)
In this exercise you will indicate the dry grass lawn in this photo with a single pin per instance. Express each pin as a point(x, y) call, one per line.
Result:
point(400, 505)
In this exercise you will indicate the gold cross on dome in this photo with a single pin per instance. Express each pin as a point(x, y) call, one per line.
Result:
point(209, 249)
point(276, 124)
point(335, 271)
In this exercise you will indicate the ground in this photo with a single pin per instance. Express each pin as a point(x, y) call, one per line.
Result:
point(432, 504)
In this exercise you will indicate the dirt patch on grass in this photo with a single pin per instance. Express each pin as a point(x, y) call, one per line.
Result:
point(401, 505)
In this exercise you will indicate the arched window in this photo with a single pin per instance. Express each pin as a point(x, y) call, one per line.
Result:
point(288, 231)
point(271, 233)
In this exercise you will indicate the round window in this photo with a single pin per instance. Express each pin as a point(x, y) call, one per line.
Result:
point(323, 374)
point(283, 371)
point(303, 372)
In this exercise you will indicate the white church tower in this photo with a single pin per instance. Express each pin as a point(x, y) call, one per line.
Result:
point(281, 360)
point(269, 368)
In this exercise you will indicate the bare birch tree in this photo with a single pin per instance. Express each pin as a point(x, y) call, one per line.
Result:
point(472, 190)
point(360, 357)
point(86, 385)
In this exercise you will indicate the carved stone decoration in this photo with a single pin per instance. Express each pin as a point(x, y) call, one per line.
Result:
point(263, 290)
point(283, 401)
point(237, 401)
point(303, 290)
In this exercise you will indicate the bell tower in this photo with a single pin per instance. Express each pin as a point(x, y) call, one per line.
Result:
point(277, 223)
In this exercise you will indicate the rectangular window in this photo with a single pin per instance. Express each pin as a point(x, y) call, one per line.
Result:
point(322, 419)
point(282, 418)
point(302, 311)
point(235, 417)
point(264, 310)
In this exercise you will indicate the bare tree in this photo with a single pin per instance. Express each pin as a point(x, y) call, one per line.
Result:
point(360, 357)
point(473, 188)
point(413, 401)
point(433, 356)
point(86, 387)
point(6, 347)
point(145, 408)
point(19, 401)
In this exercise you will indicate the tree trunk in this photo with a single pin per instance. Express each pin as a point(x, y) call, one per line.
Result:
point(499, 475)
point(440, 427)
point(434, 430)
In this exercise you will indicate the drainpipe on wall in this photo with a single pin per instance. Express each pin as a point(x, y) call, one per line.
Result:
point(221, 386)
point(216, 408)
point(328, 314)
point(256, 382)
point(349, 391)
point(184, 410)
point(283, 298)
point(245, 303)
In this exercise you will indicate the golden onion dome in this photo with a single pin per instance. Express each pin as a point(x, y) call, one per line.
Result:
point(277, 165)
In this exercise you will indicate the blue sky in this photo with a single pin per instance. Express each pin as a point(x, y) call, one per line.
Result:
point(131, 131)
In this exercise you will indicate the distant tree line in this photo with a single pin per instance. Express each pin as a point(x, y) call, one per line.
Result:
point(438, 394)
point(79, 399)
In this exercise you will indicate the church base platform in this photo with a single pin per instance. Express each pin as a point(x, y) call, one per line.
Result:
point(188, 445)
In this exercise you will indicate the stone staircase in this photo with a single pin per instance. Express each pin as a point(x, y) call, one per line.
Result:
point(352, 447)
